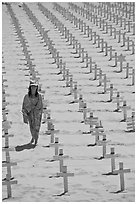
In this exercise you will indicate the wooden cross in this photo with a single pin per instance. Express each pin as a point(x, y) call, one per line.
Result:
point(119, 36)
point(124, 108)
point(95, 36)
point(86, 58)
point(64, 71)
point(8, 164)
point(121, 172)
point(110, 49)
point(112, 156)
point(49, 123)
point(117, 100)
point(103, 143)
point(127, 68)
point(46, 114)
point(60, 158)
point(8, 183)
point(104, 80)
point(75, 91)
point(133, 77)
point(127, 24)
point(6, 125)
point(97, 131)
point(115, 57)
point(103, 45)
point(113, 30)
point(65, 176)
point(82, 53)
point(95, 72)
point(67, 77)
point(124, 39)
point(91, 121)
point(91, 34)
point(81, 103)
point(131, 123)
point(6, 136)
point(111, 89)
point(56, 145)
point(100, 77)
point(71, 37)
point(85, 110)
point(59, 65)
point(90, 64)
point(121, 59)
point(99, 40)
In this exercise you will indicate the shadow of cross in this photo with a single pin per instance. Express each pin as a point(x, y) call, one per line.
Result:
point(121, 59)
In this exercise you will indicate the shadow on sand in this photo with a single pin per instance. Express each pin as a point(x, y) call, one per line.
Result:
point(25, 146)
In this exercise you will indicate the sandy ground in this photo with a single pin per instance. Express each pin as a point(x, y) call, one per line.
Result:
point(33, 166)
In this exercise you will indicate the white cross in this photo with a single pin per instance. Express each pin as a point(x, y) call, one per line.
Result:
point(90, 64)
point(85, 110)
point(124, 108)
point(112, 156)
point(91, 121)
point(117, 100)
point(56, 145)
point(131, 123)
point(8, 183)
point(60, 158)
point(95, 72)
point(133, 76)
point(127, 70)
point(103, 143)
point(111, 89)
point(65, 176)
point(81, 103)
point(121, 172)
point(104, 80)
point(121, 59)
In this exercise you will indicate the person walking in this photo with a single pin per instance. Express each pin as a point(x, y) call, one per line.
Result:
point(32, 109)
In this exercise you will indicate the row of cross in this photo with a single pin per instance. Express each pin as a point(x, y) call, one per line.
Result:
point(95, 128)
point(6, 125)
point(98, 74)
point(54, 142)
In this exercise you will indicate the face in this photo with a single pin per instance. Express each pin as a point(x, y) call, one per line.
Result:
point(33, 90)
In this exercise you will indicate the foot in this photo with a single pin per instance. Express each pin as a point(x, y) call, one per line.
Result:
point(35, 142)
point(32, 140)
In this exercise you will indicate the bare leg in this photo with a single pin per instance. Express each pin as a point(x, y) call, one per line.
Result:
point(36, 136)
point(32, 134)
